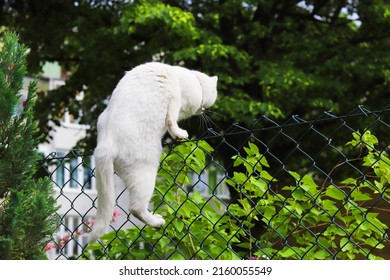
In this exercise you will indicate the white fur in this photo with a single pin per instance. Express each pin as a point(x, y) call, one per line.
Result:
point(148, 101)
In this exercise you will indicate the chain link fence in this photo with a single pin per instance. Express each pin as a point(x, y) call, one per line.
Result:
point(302, 189)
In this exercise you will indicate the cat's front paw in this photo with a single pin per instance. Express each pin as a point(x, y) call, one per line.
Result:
point(178, 134)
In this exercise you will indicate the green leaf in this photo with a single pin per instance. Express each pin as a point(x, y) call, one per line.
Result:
point(349, 181)
point(253, 149)
point(359, 196)
point(217, 203)
point(369, 140)
point(321, 254)
point(287, 253)
point(375, 223)
point(245, 245)
point(236, 210)
point(212, 216)
point(205, 146)
point(164, 241)
point(335, 193)
point(373, 242)
point(121, 247)
point(260, 184)
point(108, 236)
point(295, 175)
point(179, 225)
point(345, 244)
point(374, 257)
point(239, 177)
point(297, 194)
point(268, 213)
point(94, 246)
point(333, 229)
point(325, 242)
point(264, 161)
point(307, 183)
point(176, 256)
point(356, 141)
point(370, 160)
point(266, 176)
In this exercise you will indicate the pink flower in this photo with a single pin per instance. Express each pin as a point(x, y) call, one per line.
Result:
point(90, 223)
point(114, 215)
point(49, 246)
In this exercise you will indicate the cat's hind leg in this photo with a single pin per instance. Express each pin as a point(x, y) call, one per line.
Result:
point(142, 184)
point(153, 220)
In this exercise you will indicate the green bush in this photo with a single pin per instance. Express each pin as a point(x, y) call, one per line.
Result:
point(304, 220)
point(309, 221)
point(27, 205)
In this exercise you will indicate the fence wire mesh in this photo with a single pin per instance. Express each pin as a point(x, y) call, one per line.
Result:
point(302, 189)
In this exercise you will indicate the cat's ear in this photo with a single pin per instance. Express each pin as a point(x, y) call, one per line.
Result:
point(215, 78)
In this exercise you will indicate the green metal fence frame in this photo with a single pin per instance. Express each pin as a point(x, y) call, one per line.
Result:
point(295, 136)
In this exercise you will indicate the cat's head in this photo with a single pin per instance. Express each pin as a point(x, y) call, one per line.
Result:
point(209, 89)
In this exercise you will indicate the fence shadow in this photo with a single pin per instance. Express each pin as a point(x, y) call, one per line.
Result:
point(302, 189)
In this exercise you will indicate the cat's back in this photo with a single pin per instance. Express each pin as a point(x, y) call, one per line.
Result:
point(145, 78)
point(139, 101)
point(156, 72)
point(149, 71)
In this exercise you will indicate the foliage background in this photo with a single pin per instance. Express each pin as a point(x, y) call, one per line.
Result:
point(277, 58)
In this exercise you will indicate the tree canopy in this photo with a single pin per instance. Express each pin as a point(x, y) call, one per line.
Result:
point(272, 57)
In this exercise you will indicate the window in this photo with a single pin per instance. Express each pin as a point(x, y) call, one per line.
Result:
point(88, 175)
point(60, 170)
point(74, 170)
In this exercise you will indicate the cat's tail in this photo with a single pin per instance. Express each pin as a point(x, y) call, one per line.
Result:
point(104, 170)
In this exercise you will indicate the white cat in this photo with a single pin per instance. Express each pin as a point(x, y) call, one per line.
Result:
point(148, 101)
